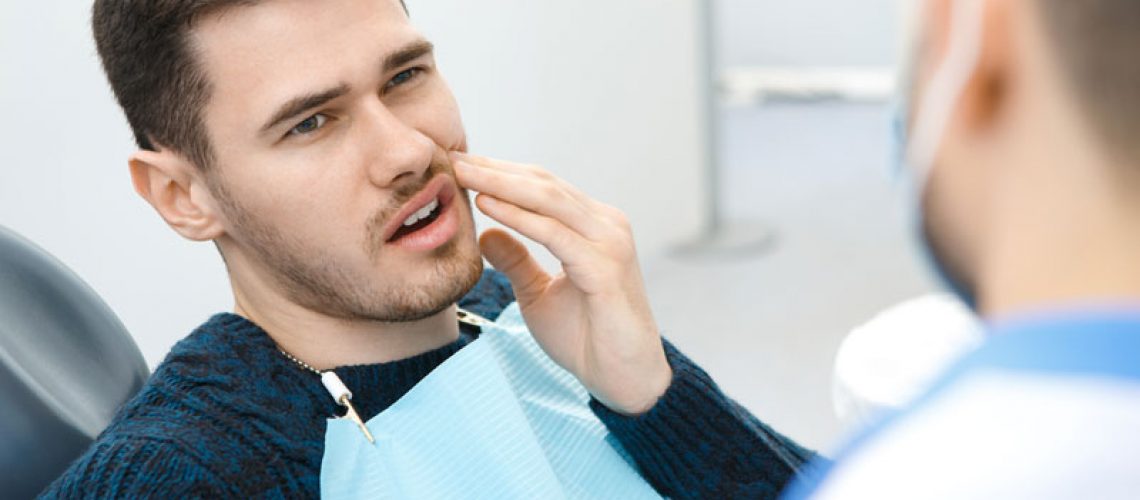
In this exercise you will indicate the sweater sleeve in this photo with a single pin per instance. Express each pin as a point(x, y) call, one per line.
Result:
point(136, 468)
point(490, 296)
point(698, 443)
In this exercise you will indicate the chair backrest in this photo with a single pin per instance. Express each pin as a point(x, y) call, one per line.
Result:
point(66, 365)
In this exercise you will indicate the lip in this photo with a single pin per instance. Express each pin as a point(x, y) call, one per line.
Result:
point(442, 187)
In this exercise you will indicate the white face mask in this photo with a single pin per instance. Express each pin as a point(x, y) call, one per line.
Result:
point(918, 147)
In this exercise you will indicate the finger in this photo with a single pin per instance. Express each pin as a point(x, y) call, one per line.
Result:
point(492, 163)
point(525, 170)
point(533, 194)
point(568, 246)
point(511, 258)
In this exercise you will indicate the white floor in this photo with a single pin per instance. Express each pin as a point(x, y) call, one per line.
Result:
point(767, 327)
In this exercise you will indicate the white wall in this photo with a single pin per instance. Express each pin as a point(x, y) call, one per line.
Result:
point(809, 32)
point(603, 93)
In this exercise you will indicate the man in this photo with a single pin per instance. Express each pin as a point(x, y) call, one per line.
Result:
point(1024, 123)
point(315, 143)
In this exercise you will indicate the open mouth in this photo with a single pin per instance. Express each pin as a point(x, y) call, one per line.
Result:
point(419, 220)
point(426, 220)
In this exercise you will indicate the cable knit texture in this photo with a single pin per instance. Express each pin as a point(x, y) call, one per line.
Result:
point(227, 416)
point(697, 443)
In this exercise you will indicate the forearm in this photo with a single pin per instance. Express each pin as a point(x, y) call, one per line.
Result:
point(136, 469)
point(698, 443)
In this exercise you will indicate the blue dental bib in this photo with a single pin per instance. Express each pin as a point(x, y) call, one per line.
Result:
point(499, 419)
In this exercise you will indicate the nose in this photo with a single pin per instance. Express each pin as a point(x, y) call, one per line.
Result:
point(395, 150)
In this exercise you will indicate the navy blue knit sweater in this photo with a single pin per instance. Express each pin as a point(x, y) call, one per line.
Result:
point(227, 416)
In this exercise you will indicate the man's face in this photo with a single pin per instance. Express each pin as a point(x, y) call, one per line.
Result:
point(330, 125)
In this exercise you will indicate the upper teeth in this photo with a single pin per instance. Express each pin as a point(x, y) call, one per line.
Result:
point(422, 214)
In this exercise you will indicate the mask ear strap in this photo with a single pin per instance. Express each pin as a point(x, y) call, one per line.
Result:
point(941, 96)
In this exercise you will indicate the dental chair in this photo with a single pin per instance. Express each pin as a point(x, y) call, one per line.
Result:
point(66, 365)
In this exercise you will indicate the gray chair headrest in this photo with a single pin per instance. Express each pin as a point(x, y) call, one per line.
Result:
point(66, 365)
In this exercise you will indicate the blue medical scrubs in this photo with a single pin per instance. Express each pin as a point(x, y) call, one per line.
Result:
point(1048, 407)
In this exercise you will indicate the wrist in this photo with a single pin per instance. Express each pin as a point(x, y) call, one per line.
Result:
point(641, 396)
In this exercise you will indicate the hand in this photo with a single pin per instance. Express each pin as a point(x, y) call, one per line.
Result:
point(593, 318)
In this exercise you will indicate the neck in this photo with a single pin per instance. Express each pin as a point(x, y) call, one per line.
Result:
point(326, 342)
point(1093, 268)
point(1068, 236)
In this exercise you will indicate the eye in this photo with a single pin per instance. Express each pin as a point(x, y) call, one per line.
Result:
point(403, 77)
point(309, 125)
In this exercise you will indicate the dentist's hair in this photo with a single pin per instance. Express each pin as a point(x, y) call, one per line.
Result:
point(1098, 42)
point(150, 64)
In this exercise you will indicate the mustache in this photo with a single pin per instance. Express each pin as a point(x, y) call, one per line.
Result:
point(440, 165)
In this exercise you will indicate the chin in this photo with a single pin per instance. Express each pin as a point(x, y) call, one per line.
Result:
point(437, 288)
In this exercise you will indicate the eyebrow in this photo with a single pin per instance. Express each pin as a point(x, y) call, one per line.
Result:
point(300, 104)
point(407, 54)
point(303, 103)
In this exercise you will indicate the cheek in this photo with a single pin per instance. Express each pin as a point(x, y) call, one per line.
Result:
point(294, 206)
point(437, 116)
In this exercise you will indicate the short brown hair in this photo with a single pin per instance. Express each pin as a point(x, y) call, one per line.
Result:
point(146, 54)
point(1098, 43)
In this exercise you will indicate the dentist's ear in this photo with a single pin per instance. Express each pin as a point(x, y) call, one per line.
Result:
point(985, 97)
point(949, 26)
point(177, 190)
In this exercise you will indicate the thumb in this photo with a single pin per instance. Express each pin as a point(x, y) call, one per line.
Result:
point(511, 257)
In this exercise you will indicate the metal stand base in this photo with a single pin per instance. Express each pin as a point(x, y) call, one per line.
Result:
point(732, 240)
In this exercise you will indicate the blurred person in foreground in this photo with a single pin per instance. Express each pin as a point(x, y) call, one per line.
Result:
point(1023, 141)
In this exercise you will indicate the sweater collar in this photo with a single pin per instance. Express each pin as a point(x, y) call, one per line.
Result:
point(375, 387)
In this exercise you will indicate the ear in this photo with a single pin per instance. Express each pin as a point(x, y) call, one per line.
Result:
point(177, 190)
point(986, 98)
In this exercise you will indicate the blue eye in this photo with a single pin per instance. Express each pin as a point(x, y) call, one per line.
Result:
point(309, 125)
point(403, 77)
